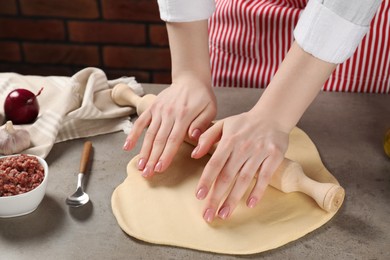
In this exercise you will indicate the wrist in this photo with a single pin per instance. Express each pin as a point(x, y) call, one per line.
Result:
point(272, 117)
point(192, 77)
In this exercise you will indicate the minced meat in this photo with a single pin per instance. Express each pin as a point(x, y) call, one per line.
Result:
point(19, 174)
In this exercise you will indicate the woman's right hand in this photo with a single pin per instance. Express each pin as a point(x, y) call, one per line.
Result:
point(186, 107)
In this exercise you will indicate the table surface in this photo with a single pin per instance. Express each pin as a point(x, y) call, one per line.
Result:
point(348, 130)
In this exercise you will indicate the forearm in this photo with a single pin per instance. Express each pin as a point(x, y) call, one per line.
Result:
point(294, 86)
point(189, 50)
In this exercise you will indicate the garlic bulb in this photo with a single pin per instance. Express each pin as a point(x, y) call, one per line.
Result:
point(13, 140)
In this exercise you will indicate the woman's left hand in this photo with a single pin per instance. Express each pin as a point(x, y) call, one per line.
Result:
point(250, 146)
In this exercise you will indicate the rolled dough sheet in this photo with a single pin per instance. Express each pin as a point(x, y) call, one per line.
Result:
point(164, 210)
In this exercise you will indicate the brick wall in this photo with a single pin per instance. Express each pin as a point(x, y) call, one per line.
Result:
point(122, 37)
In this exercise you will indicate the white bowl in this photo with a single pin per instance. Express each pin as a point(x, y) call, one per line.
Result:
point(25, 203)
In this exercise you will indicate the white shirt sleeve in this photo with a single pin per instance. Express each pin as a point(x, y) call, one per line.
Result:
point(331, 30)
point(185, 10)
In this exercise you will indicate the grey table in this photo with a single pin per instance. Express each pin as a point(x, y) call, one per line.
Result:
point(348, 130)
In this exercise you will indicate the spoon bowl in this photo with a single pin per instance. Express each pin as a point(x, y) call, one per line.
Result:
point(80, 198)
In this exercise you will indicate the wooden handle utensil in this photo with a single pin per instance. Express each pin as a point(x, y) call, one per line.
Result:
point(289, 177)
point(85, 156)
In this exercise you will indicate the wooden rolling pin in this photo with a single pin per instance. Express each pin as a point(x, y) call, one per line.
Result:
point(289, 177)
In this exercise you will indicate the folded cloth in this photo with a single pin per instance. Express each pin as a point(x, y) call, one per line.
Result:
point(70, 107)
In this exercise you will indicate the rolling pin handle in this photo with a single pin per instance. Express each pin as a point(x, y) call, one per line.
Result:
point(123, 95)
point(290, 177)
point(145, 103)
point(334, 198)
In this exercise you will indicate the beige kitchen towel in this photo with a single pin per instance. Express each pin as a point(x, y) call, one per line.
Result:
point(70, 107)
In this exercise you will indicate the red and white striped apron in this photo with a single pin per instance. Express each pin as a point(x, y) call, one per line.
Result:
point(249, 39)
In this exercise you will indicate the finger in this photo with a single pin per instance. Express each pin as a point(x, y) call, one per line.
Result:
point(140, 124)
point(200, 124)
point(174, 141)
point(268, 167)
point(158, 146)
point(147, 144)
point(242, 182)
point(212, 170)
point(222, 184)
point(207, 140)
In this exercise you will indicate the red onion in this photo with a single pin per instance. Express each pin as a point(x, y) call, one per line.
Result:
point(21, 106)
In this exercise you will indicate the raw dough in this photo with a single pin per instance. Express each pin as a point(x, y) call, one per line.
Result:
point(164, 210)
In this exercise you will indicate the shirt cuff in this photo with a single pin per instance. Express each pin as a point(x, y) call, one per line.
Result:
point(185, 11)
point(326, 35)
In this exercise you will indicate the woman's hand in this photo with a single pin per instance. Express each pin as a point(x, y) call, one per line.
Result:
point(187, 106)
point(253, 144)
point(250, 146)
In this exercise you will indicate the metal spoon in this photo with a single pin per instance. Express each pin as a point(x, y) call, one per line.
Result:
point(80, 198)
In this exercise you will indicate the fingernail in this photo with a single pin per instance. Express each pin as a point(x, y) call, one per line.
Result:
point(147, 172)
point(224, 212)
point(209, 215)
point(201, 193)
point(127, 144)
point(195, 134)
point(158, 167)
point(252, 202)
point(195, 151)
point(141, 164)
